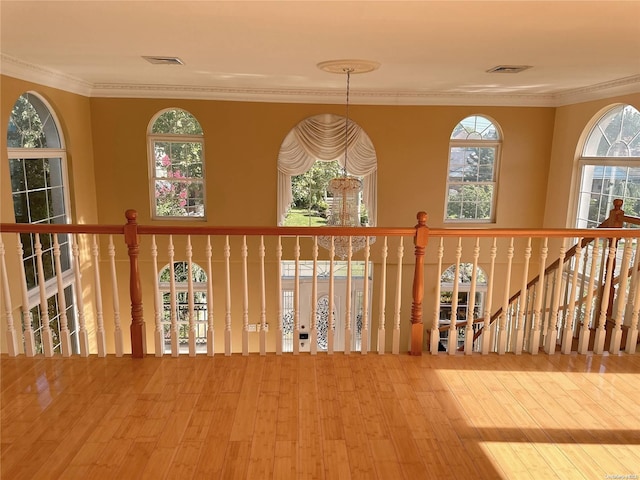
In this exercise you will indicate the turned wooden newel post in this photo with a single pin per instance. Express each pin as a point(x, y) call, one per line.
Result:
point(420, 241)
point(135, 289)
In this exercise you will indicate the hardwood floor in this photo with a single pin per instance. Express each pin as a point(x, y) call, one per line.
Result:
point(333, 417)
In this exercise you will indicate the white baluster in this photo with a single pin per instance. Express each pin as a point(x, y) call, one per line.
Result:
point(296, 300)
point(245, 297)
point(383, 299)
point(332, 320)
point(158, 333)
point(83, 337)
point(567, 333)
point(279, 283)
point(175, 340)
point(471, 307)
point(616, 333)
point(452, 343)
point(100, 334)
point(534, 344)
point(395, 347)
point(227, 316)
point(314, 299)
point(210, 330)
point(632, 334)
point(364, 333)
point(116, 299)
point(12, 337)
point(502, 320)
point(65, 335)
point(552, 333)
point(585, 332)
point(347, 303)
point(598, 347)
point(486, 328)
point(191, 300)
point(46, 336)
point(29, 340)
point(263, 300)
point(522, 304)
point(435, 324)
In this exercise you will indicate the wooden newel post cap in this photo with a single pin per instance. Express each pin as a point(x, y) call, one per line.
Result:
point(132, 215)
point(422, 219)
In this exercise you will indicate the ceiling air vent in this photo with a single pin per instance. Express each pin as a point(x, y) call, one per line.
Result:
point(163, 60)
point(508, 68)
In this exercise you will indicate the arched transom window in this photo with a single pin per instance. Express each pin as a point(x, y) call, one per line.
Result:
point(473, 170)
point(610, 166)
point(176, 163)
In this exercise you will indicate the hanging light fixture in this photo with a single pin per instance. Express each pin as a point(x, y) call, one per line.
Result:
point(345, 207)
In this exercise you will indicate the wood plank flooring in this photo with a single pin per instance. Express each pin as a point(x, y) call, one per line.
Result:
point(321, 417)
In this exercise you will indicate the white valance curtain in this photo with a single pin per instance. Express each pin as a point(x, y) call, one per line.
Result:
point(322, 138)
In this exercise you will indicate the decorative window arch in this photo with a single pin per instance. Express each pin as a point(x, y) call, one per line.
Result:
point(321, 138)
point(176, 165)
point(38, 171)
point(610, 166)
point(182, 309)
point(472, 178)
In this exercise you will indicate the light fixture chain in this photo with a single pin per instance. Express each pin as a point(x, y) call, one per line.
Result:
point(346, 124)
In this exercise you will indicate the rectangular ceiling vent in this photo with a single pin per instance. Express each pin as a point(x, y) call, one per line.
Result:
point(508, 68)
point(163, 60)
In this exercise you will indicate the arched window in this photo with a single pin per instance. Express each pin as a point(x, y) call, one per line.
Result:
point(474, 152)
point(313, 153)
point(463, 303)
point(182, 310)
point(610, 166)
point(176, 165)
point(37, 166)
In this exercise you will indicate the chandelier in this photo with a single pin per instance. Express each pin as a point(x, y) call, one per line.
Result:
point(345, 189)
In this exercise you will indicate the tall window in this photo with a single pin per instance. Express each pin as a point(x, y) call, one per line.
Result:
point(182, 310)
point(610, 166)
point(313, 153)
point(37, 165)
point(176, 161)
point(472, 178)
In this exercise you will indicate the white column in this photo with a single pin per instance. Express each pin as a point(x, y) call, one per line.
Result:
point(585, 332)
point(279, 283)
point(364, 334)
point(12, 338)
point(347, 303)
point(486, 327)
point(245, 298)
point(383, 299)
point(552, 333)
point(598, 347)
point(471, 304)
point(175, 341)
point(263, 300)
point(296, 299)
point(534, 344)
point(191, 300)
point(452, 342)
point(314, 300)
point(83, 337)
point(395, 347)
point(210, 330)
point(435, 325)
point(65, 335)
point(502, 320)
point(227, 315)
point(616, 333)
point(117, 332)
point(567, 333)
point(332, 321)
point(46, 336)
point(100, 334)
point(522, 306)
point(158, 333)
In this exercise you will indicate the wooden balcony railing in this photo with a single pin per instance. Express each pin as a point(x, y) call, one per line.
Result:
point(583, 303)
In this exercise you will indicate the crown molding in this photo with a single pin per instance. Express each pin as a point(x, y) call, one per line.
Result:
point(622, 86)
point(14, 67)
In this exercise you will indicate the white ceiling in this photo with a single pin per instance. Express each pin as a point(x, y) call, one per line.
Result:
point(431, 52)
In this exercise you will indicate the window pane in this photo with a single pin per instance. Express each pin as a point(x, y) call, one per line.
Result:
point(177, 122)
point(35, 173)
point(16, 167)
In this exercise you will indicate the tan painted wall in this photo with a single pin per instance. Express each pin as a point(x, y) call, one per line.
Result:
point(106, 141)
